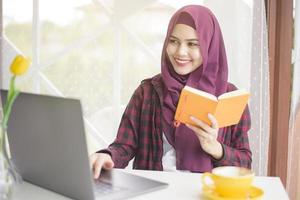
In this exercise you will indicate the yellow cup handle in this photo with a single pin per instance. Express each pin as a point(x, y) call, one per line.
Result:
point(204, 177)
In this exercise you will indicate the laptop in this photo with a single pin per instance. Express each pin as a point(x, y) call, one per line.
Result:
point(48, 145)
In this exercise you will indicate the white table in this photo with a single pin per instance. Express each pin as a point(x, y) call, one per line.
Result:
point(181, 186)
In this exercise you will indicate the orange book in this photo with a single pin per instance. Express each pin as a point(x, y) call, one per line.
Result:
point(227, 108)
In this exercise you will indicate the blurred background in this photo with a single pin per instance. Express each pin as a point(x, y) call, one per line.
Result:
point(100, 50)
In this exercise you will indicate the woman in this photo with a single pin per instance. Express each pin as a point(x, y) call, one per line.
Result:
point(194, 55)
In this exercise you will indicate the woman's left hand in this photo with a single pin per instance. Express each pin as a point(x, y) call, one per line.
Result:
point(207, 136)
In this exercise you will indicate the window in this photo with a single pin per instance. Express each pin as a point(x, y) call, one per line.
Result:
point(100, 50)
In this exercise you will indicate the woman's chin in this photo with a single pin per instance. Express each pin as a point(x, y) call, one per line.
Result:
point(182, 71)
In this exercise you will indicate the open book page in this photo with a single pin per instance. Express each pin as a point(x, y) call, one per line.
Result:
point(234, 93)
point(201, 93)
point(230, 109)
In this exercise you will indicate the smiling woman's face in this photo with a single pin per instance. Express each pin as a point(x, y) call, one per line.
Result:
point(183, 49)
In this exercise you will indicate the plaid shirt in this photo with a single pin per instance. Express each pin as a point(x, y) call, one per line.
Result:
point(140, 132)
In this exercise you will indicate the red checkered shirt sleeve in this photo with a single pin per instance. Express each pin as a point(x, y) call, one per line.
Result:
point(123, 149)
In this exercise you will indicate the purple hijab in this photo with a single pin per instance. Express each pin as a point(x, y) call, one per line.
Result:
point(211, 77)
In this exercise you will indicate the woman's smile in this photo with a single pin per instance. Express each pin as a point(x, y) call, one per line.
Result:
point(182, 62)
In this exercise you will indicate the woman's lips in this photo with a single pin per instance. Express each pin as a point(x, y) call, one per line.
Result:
point(182, 62)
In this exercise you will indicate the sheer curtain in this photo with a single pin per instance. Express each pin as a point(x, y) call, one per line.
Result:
point(90, 49)
point(260, 97)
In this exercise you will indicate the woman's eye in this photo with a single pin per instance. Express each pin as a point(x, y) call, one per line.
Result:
point(172, 41)
point(192, 44)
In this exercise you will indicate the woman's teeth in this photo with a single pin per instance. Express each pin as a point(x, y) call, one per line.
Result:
point(180, 61)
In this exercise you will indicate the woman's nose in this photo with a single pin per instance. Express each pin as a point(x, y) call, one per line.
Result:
point(182, 49)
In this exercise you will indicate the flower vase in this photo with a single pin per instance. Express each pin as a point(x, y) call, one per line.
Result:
point(9, 176)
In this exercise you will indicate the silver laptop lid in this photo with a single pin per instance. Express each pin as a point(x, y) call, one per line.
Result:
point(48, 145)
point(40, 128)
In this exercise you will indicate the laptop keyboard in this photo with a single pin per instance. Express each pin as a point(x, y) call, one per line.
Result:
point(103, 188)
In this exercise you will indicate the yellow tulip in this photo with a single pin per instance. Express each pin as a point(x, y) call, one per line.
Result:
point(20, 65)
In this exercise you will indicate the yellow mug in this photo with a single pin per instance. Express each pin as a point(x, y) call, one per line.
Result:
point(229, 181)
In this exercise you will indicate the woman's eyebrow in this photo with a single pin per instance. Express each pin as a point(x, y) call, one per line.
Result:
point(188, 40)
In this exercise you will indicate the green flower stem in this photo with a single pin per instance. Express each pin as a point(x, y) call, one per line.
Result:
point(11, 88)
point(11, 97)
point(12, 84)
point(10, 92)
point(8, 110)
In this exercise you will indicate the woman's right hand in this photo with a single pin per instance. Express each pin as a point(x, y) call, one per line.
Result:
point(99, 161)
